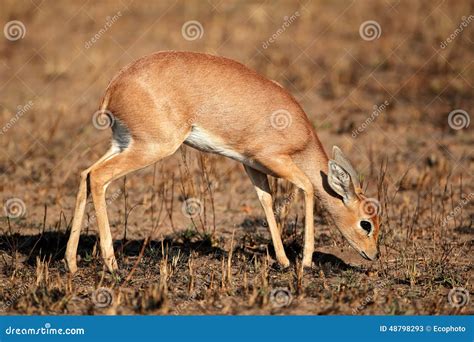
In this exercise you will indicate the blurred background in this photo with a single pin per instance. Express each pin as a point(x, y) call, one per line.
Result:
point(391, 82)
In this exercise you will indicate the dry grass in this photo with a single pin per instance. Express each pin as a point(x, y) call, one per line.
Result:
point(221, 261)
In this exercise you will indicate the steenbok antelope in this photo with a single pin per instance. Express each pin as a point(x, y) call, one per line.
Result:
point(217, 105)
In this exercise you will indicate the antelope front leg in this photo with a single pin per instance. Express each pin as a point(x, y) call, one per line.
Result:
point(260, 182)
point(289, 170)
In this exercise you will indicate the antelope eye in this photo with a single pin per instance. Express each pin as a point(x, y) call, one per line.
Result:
point(366, 225)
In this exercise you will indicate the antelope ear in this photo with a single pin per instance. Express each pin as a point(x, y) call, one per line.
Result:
point(345, 163)
point(340, 181)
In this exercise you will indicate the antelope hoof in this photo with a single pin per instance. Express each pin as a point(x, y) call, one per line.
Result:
point(284, 262)
point(111, 264)
point(71, 264)
point(307, 263)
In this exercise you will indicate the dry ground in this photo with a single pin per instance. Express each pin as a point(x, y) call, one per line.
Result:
point(221, 261)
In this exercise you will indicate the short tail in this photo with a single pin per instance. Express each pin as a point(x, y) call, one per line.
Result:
point(121, 136)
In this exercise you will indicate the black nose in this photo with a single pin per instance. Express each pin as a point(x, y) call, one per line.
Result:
point(376, 256)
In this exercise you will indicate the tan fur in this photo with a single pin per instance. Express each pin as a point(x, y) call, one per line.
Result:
point(170, 98)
